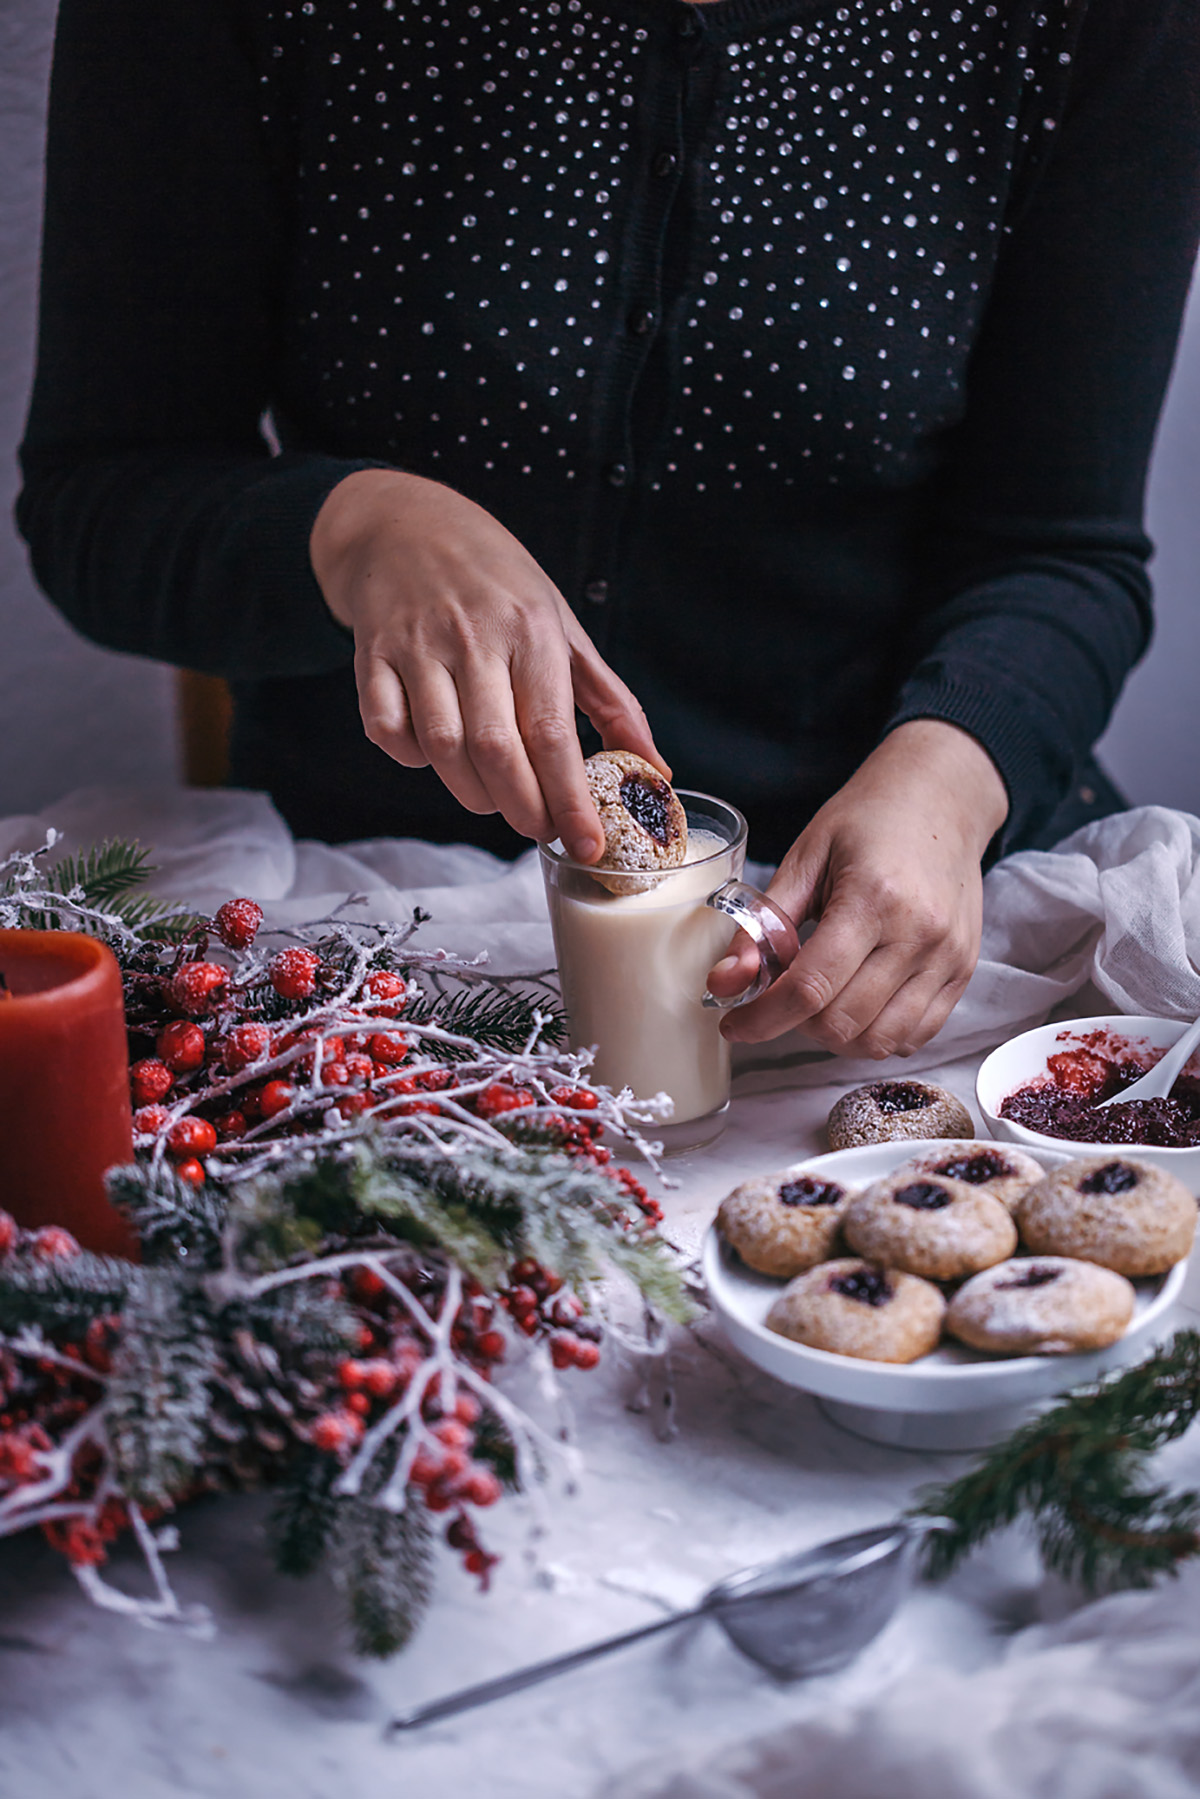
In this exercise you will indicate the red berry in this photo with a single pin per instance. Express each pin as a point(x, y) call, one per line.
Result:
point(336, 1075)
point(191, 1137)
point(367, 1284)
point(358, 1403)
point(563, 1347)
point(587, 1355)
point(453, 1433)
point(577, 1099)
point(386, 992)
point(18, 1459)
point(77, 1539)
point(52, 1243)
point(388, 1047)
point(500, 1098)
point(352, 1105)
point(232, 1124)
point(246, 1043)
point(149, 1081)
point(435, 1080)
point(337, 1431)
point(275, 1098)
point(293, 973)
point(181, 1046)
point(419, 1105)
point(467, 1407)
point(491, 1345)
point(194, 986)
point(149, 1120)
point(358, 1066)
point(379, 1378)
point(8, 1233)
point(350, 1373)
point(482, 1488)
point(478, 1561)
point(237, 922)
point(191, 1170)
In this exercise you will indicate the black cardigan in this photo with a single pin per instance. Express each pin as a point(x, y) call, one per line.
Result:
point(814, 349)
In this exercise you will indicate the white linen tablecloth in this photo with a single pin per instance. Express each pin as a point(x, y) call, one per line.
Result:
point(995, 1686)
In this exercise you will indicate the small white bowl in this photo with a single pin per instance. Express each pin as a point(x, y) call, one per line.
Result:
point(954, 1398)
point(1023, 1058)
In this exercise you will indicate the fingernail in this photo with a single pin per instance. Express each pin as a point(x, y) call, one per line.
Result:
point(726, 965)
point(585, 849)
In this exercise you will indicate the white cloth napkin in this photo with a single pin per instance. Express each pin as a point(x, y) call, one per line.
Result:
point(1117, 905)
point(1104, 1705)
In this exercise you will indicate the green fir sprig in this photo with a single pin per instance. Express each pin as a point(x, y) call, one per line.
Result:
point(103, 879)
point(1079, 1472)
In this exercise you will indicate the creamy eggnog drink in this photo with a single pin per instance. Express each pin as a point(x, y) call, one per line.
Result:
point(634, 968)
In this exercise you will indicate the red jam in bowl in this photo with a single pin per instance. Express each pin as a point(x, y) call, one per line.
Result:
point(1065, 1101)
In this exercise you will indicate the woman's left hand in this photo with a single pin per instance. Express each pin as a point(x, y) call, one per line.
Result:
point(890, 870)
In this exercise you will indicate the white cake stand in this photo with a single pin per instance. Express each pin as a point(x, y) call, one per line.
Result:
point(954, 1398)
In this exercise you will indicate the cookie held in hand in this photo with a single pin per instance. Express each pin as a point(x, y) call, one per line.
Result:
point(645, 827)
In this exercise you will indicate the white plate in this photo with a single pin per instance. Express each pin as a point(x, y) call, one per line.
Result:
point(955, 1397)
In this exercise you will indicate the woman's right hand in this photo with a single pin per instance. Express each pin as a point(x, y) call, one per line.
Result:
point(467, 657)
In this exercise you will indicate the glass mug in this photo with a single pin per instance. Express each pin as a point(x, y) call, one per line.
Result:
point(633, 966)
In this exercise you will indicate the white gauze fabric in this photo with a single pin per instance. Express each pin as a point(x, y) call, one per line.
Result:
point(1117, 905)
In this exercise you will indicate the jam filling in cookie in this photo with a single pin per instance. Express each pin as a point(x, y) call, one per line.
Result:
point(1114, 1177)
point(984, 1165)
point(869, 1286)
point(899, 1096)
point(648, 803)
point(805, 1191)
point(1030, 1277)
point(922, 1196)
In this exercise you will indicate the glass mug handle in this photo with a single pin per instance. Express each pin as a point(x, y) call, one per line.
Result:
point(772, 931)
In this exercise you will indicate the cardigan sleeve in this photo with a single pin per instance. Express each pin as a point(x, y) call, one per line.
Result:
point(1036, 600)
point(158, 522)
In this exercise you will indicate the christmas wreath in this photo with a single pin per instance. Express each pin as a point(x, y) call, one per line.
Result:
point(363, 1171)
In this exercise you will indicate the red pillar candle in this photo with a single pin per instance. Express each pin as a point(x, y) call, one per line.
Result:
point(64, 1085)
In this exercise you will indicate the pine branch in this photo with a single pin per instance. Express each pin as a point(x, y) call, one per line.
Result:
point(303, 1518)
point(499, 1019)
point(104, 878)
point(63, 1296)
point(176, 1221)
point(157, 1406)
point(382, 1560)
point(1079, 1470)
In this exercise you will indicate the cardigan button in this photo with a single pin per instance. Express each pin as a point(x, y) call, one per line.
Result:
point(640, 323)
point(596, 592)
point(689, 25)
point(665, 163)
point(616, 474)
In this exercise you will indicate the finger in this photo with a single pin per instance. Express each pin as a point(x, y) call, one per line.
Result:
point(844, 938)
point(604, 698)
point(545, 711)
point(438, 724)
point(905, 1024)
point(877, 1013)
point(736, 969)
point(383, 705)
point(496, 746)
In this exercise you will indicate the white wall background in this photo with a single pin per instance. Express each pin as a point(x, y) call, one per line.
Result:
point(71, 714)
